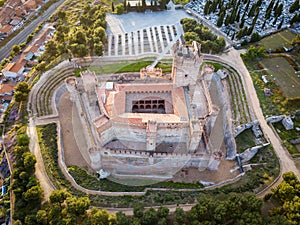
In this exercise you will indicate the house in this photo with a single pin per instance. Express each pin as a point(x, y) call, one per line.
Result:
point(31, 5)
point(15, 21)
point(12, 70)
point(6, 14)
point(35, 48)
point(6, 30)
point(6, 90)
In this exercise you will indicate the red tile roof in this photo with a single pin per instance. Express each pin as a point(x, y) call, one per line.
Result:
point(15, 66)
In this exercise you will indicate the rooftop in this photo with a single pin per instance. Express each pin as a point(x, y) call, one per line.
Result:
point(119, 102)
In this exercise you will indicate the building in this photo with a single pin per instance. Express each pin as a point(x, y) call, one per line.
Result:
point(151, 125)
point(14, 69)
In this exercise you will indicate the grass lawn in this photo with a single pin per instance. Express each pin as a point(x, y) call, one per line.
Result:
point(129, 66)
point(245, 140)
point(284, 75)
point(280, 39)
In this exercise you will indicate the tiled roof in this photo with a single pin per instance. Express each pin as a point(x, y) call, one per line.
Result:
point(15, 66)
point(6, 88)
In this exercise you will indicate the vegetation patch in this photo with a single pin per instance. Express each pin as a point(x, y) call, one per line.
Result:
point(278, 40)
point(194, 31)
point(47, 137)
point(283, 74)
point(245, 140)
point(126, 66)
point(217, 66)
point(92, 182)
point(288, 135)
point(274, 103)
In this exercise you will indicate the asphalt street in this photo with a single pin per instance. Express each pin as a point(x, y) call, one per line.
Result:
point(21, 37)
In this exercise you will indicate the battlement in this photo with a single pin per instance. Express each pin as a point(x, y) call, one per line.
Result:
point(145, 154)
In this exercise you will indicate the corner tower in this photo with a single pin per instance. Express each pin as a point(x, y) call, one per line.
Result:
point(186, 63)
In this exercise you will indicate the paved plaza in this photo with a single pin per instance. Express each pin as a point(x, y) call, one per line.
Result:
point(138, 33)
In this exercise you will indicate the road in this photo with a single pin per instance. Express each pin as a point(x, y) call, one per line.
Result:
point(22, 36)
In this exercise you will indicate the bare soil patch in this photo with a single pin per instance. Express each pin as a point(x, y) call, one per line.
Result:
point(193, 174)
point(72, 153)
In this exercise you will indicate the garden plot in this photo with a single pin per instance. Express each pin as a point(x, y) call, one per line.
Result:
point(284, 75)
point(281, 39)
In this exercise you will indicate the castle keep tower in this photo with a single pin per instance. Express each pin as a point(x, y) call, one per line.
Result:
point(186, 64)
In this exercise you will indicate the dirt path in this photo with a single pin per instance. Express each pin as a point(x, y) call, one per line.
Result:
point(40, 171)
point(286, 162)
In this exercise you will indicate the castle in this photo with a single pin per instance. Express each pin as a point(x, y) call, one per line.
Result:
point(150, 125)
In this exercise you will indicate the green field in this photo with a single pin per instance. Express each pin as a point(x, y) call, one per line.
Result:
point(280, 39)
point(284, 75)
point(130, 66)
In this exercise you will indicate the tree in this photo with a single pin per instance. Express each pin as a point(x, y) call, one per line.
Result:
point(98, 49)
point(255, 37)
point(41, 67)
point(61, 15)
point(21, 92)
point(16, 49)
point(33, 194)
point(294, 7)
point(42, 217)
point(206, 7)
point(180, 216)
point(150, 217)
point(125, 5)
point(144, 6)
point(191, 36)
point(29, 38)
point(120, 8)
point(50, 51)
point(138, 211)
point(29, 161)
point(77, 206)
point(100, 32)
point(162, 4)
point(227, 19)
point(254, 53)
point(79, 50)
point(220, 19)
point(112, 6)
point(295, 19)
point(280, 24)
point(162, 212)
point(122, 219)
point(102, 217)
point(287, 193)
point(59, 196)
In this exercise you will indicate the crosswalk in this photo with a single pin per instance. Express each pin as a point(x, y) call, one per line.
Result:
point(154, 39)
